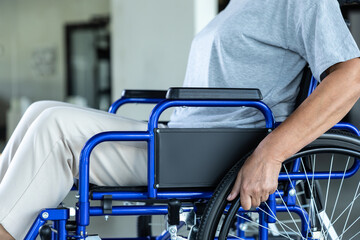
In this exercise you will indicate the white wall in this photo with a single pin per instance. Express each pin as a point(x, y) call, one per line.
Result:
point(30, 26)
point(151, 41)
point(204, 12)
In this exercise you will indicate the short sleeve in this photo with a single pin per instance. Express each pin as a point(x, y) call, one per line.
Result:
point(322, 37)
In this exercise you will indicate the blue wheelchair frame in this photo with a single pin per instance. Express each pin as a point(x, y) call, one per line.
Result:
point(84, 210)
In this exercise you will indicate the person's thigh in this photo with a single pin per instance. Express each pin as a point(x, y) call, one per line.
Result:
point(111, 163)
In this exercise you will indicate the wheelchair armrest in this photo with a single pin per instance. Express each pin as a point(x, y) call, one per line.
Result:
point(349, 2)
point(214, 94)
point(150, 94)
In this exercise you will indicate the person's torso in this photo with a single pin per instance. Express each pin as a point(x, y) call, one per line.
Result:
point(245, 46)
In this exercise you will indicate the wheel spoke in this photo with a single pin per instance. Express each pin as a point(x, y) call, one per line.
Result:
point(350, 227)
point(352, 202)
point(297, 199)
point(277, 220)
point(350, 210)
point(340, 188)
point(329, 180)
point(337, 196)
point(259, 225)
point(312, 205)
point(355, 235)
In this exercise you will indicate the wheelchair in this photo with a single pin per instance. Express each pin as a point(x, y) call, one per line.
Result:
point(191, 172)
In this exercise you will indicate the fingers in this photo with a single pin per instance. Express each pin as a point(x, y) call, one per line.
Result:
point(249, 197)
point(236, 188)
point(255, 182)
point(264, 198)
point(247, 201)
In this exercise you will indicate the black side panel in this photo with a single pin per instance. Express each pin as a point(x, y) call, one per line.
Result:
point(200, 157)
point(214, 94)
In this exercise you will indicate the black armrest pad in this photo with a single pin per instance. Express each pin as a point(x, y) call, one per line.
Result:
point(214, 94)
point(157, 94)
point(349, 2)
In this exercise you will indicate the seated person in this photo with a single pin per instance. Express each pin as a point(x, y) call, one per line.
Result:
point(252, 44)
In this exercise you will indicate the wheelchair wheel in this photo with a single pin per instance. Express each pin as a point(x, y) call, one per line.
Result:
point(320, 199)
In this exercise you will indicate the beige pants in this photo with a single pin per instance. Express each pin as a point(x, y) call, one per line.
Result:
point(41, 159)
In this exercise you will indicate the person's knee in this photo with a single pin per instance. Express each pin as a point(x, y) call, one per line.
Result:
point(38, 107)
point(57, 119)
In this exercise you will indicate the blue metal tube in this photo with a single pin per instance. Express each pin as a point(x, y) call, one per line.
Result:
point(348, 127)
point(118, 103)
point(163, 236)
point(134, 238)
point(135, 210)
point(240, 233)
point(120, 195)
point(113, 109)
point(271, 210)
point(55, 225)
point(313, 84)
point(144, 195)
point(60, 215)
point(158, 109)
point(152, 190)
point(296, 166)
point(263, 228)
point(131, 210)
point(184, 195)
point(321, 175)
point(62, 233)
point(83, 203)
point(291, 200)
point(279, 193)
point(34, 230)
point(301, 213)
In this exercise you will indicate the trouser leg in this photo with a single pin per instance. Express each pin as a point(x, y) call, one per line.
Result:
point(32, 112)
point(42, 168)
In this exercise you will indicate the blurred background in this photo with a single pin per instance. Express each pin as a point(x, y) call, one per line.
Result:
point(87, 51)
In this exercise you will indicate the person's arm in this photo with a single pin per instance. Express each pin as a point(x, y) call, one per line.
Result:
point(326, 106)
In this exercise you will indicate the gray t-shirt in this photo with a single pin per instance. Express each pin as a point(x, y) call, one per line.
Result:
point(263, 44)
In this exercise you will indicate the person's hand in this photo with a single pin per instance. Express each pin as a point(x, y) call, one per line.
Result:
point(256, 180)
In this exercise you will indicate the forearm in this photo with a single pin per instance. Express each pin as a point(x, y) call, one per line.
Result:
point(328, 104)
